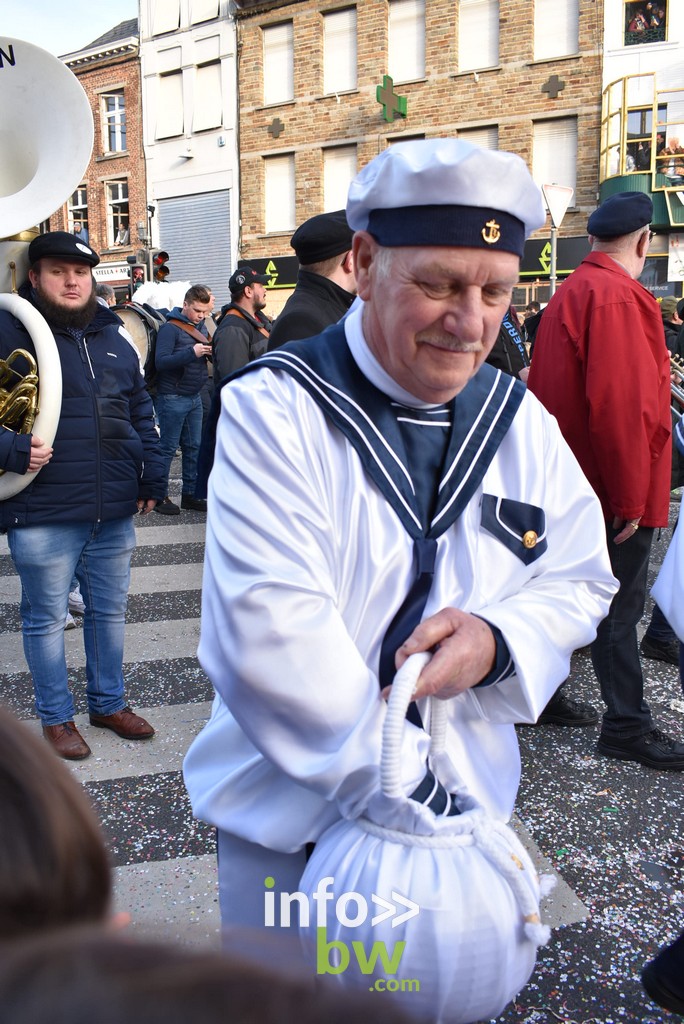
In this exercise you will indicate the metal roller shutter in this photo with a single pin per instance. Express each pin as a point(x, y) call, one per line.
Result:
point(195, 231)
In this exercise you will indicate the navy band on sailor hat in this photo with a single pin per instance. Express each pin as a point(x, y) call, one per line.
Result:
point(62, 245)
point(620, 215)
point(446, 192)
point(322, 237)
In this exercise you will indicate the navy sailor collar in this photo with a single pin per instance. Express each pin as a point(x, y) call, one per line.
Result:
point(481, 415)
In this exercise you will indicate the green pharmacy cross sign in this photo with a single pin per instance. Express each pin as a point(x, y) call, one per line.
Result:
point(393, 105)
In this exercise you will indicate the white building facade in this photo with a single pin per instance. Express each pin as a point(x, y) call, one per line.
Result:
point(642, 126)
point(188, 66)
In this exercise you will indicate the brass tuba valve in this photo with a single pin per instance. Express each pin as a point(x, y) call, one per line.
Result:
point(18, 400)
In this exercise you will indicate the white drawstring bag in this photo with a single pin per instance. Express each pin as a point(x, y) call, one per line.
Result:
point(443, 912)
point(668, 589)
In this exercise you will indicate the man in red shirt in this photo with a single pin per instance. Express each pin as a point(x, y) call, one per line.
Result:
point(601, 367)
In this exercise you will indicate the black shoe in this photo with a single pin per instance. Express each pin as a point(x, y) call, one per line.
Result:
point(654, 749)
point(663, 978)
point(660, 650)
point(562, 710)
point(196, 504)
point(167, 508)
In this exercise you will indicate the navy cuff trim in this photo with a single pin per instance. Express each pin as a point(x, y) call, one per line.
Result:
point(504, 666)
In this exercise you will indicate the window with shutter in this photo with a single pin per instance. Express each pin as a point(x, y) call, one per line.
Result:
point(406, 40)
point(208, 101)
point(203, 10)
point(339, 167)
point(478, 34)
point(554, 157)
point(339, 51)
point(279, 193)
point(170, 105)
point(165, 16)
point(278, 63)
point(556, 28)
point(487, 138)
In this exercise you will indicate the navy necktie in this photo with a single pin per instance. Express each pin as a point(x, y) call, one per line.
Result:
point(409, 615)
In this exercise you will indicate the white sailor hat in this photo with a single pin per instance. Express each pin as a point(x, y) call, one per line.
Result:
point(446, 192)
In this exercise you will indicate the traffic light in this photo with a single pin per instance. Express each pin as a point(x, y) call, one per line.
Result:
point(137, 270)
point(157, 264)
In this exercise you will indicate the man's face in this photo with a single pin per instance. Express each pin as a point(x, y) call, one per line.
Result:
point(432, 314)
point(258, 296)
point(67, 284)
point(197, 311)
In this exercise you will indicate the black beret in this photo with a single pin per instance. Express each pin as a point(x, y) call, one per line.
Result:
point(62, 244)
point(620, 214)
point(322, 237)
point(680, 309)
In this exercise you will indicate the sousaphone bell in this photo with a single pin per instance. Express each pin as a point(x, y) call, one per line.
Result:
point(46, 138)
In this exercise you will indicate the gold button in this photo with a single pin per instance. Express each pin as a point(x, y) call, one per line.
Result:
point(529, 538)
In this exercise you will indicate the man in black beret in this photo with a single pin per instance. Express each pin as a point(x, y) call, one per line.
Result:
point(326, 285)
point(75, 516)
point(601, 367)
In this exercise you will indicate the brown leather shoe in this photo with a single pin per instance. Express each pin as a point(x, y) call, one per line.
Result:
point(67, 741)
point(125, 724)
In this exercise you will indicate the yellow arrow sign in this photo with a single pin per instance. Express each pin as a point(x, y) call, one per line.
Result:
point(272, 273)
point(545, 258)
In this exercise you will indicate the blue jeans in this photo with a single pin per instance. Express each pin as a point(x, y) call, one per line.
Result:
point(615, 651)
point(180, 423)
point(46, 559)
point(659, 629)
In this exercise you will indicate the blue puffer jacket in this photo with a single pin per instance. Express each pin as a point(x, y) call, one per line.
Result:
point(179, 371)
point(106, 450)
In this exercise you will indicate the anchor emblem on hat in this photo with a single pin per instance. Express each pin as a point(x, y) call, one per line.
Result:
point(491, 232)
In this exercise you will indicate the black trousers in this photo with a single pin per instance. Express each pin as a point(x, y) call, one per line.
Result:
point(615, 652)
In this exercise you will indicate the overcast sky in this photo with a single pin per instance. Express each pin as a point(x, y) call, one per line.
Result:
point(62, 26)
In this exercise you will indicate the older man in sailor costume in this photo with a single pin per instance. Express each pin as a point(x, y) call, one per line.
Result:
point(377, 491)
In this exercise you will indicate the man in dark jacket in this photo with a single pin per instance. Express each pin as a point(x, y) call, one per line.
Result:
point(75, 517)
point(671, 322)
point(533, 315)
point(326, 284)
point(181, 354)
point(509, 353)
point(243, 330)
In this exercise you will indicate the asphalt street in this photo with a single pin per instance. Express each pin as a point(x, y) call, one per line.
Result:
point(612, 831)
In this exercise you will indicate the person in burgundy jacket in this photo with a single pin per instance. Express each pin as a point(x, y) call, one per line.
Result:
point(601, 367)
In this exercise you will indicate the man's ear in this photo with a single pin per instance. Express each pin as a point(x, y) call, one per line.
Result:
point(643, 243)
point(348, 263)
point(364, 249)
point(33, 278)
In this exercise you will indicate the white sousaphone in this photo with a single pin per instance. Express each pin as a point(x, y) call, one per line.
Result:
point(46, 138)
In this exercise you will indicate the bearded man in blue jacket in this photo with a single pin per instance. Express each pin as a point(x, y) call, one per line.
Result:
point(76, 514)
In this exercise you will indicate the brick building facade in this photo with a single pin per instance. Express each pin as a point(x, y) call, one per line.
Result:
point(111, 201)
point(528, 82)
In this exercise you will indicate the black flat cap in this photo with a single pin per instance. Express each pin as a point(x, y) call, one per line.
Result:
point(620, 214)
point(62, 244)
point(322, 237)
